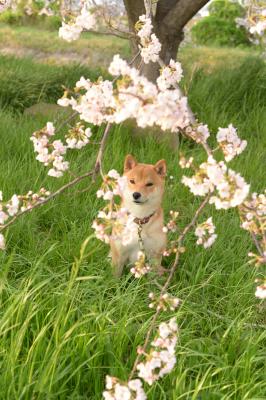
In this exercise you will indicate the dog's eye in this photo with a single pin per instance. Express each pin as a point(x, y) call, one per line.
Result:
point(132, 181)
point(149, 184)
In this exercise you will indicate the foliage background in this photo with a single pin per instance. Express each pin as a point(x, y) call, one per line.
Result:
point(219, 27)
point(64, 321)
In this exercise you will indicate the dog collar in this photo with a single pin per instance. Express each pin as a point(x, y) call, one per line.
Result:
point(143, 221)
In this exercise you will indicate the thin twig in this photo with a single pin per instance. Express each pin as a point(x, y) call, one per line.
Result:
point(40, 203)
point(93, 173)
point(66, 121)
point(110, 33)
point(257, 244)
point(98, 163)
point(168, 281)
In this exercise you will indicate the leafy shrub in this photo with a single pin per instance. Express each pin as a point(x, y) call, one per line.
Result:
point(213, 30)
point(53, 22)
point(18, 18)
point(219, 28)
point(11, 17)
point(226, 9)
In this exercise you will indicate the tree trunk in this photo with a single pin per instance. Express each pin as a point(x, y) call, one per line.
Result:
point(170, 43)
point(169, 20)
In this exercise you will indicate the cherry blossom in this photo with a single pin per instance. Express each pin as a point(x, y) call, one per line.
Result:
point(230, 187)
point(69, 32)
point(133, 97)
point(185, 163)
point(170, 75)
point(230, 143)
point(255, 21)
point(18, 204)
point(150, 46)
point(150, 49)
point(118, 390)
point(171, 225)
point(77, 137)
point(205, 233)
point(199, 133)
point(72, 30)
point(2, 242)
point(141, 267)
point(115, 225)
point(4, 4)
point(164, 302)
point(161, 358)
point(253, 214)
point(50, 154)
point(3, 217)
point(232, 191)
point(261, 291)
point(13, 205)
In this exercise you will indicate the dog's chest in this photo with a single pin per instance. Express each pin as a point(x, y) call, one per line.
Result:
point(150, 237)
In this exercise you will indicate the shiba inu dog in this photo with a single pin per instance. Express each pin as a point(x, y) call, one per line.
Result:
point(142, 197)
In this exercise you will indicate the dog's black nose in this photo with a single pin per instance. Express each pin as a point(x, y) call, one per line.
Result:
point(136, 195)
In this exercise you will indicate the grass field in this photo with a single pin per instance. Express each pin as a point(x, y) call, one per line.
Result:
point(64, 321)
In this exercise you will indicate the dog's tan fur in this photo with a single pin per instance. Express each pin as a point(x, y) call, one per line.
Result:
point(139, 179)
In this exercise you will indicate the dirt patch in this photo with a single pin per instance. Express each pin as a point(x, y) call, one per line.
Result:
point(95, 59)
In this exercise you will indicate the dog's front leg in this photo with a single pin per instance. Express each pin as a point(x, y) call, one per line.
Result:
point(118, 259)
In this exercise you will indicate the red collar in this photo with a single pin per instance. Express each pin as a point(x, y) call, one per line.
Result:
point(143, 221)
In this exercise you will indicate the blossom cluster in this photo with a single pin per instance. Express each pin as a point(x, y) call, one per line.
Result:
point(230, 143)
point(118, 390)
point(205, 233)
point(4, 4)
point(113, 184)
point(253, 219)
point(78, 137)
point(164, 302)
point(161, 358)
point(253, 214)
point(185, 163)
point(150, 46)
point(141, 267)
point(50, 154)
point(115, 224)
point(72, 30)
point(255, 21)
point(170, 75)
point(133, 97)
point(260, 292)
point(171, 224)
point(18, 203)
point(229, 187)
point(199, 133)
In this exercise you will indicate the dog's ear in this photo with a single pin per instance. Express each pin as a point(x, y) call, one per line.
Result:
point(160, 168)
point(129, 163)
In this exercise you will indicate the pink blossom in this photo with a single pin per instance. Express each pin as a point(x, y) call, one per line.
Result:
point(2, 242)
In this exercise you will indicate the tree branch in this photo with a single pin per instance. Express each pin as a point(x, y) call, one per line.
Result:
point(178, 16)
point(168, 281)
point(126, 35)
point(93, 173)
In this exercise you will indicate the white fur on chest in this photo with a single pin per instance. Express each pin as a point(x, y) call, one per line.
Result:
point(154, 241)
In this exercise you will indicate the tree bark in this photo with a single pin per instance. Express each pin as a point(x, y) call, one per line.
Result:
point(169, 20)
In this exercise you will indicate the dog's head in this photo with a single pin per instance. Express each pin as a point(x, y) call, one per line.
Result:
point(144, 187)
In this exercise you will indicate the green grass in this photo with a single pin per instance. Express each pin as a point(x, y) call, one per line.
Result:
point(65, 322)
point(25, 83)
